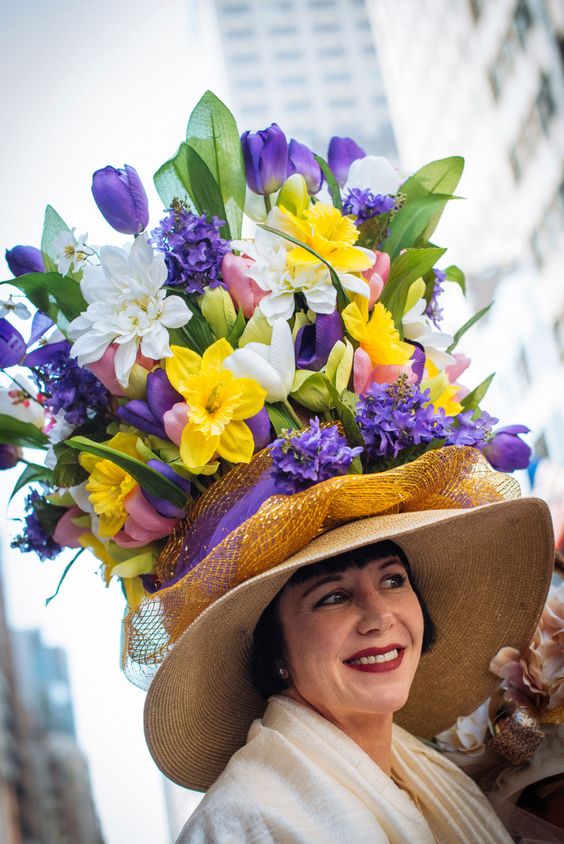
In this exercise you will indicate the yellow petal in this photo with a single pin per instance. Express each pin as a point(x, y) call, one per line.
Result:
point(251, 400)
point(126, 443)
point(112, 524)
point(236, 443)
point(354, 322)
point(88, 461)
point(216, 354)
point(134, 591)
point(350, 260)
point(181, 366)
point(195, 448)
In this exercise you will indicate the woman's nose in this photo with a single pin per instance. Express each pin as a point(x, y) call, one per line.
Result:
point(375, 613)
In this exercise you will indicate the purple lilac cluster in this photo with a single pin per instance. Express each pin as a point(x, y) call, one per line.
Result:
point(35, 537)
point(193, 248)
point(365, 205)
point(394, 417)
point(301, 460)
point(433, 310)
point(66, 386)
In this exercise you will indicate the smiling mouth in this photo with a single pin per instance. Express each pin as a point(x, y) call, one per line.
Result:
point(377, 662)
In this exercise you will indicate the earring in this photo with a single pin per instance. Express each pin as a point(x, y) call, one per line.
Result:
point(283, 672)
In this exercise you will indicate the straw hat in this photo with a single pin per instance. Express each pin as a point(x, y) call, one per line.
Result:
point(484, 574)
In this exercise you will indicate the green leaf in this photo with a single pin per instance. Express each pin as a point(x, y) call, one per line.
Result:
point(454, 273)
point(196, 334)
point(411, 223)
point(52, 293)
point(204, 189)
point(344, 405)
point(467, 325)
point(212, 132)
point(64, 574)
point(280, 418)
point(148, 478)
point(15, 432)
point(373, 231)
point(406, 269)
point(342, 299)
point(437, 177)
point(53, 225)
point(170, 179)
point(33, 473)
point(68, 471)
point(332, 183)
point(237, 329)
point(473, 399)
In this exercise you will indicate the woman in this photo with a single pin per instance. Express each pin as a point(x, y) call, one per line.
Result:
point(341, 646)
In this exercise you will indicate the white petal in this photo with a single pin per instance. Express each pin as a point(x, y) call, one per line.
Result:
point(124, 360)
point(440, 359)
point(95, 284)
point(90, 347)
point(355, 284)
point(155, 344)
point(282, 356)
point(114, 261)
point(246, 364)
point(375, 173)
point(322, 300)
point(277, 306)
point(176, 312)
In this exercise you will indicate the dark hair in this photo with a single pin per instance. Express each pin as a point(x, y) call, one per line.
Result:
point(268, 641)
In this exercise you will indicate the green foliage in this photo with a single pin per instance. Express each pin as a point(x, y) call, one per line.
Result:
point(332, 184)
point(64, 574)
point(148, 478)
point(406, 269)
point(473, 399)
point(467, 325)
point(204, 189)
point(51, 293)
point(455, 274)
point(237, 329)
point(33, 473)
point(68, 471)
point(171, 179)
point(15, 432)
point(53, 225)
point(196, 334)
point(279, 417)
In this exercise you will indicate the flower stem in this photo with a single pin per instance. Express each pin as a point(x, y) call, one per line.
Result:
point(267, 203)
point(291, 412)
point(198, 484)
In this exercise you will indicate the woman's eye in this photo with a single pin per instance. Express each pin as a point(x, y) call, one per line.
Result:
point(332, 598)
point(394, 581)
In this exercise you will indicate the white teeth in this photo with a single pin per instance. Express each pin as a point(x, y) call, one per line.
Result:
point(371, 660)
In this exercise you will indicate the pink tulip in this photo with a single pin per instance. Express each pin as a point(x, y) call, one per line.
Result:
point(364, 374)
point(377, 276)
point(174, 421)
point(105, 371)
point(143, 523)
point(244, 291)
point(66, 532)
point(455, 370)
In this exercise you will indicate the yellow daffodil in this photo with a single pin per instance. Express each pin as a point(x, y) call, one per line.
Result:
point(218, 403)
point(115, 562)
point(109, 485)
point(378, 335)
point(442, 392)
point(333, 236)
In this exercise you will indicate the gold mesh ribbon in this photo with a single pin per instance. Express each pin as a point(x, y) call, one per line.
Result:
point(452, 477)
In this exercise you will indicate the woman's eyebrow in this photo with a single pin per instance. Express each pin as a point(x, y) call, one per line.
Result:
point(320, 581)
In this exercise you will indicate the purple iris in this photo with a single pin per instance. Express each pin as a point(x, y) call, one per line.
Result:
point(302, 160)
point(465, 430)
point(433, 310)
point(9, 456)
point(506, 452)
point(121, 198)
point(12, 344)
point(36, 536)
point(266, 158)
point(161, 505)
point(260, 428)
point(341, 154)
point(24, 259)
point(147, 415)
point(314, 342)
point(365, 205)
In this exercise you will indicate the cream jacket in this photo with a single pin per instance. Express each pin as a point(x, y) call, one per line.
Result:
point(301, 780)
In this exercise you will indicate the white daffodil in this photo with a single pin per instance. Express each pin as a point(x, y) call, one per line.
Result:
point(418, 327)
point(19, 402)
point(19, 309)
point(375, 174)
point(126, 305)
point(273, 365)
point(70, 252)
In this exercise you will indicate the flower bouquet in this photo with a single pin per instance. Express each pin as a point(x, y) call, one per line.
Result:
point(284, 305)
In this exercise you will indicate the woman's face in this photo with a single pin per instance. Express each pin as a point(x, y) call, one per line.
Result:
point(353, 640)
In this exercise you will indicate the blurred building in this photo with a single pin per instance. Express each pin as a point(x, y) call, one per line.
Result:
point(10, 767)
point(310, 66)
point(57, 783)
point(486, 81)
point(180, 803)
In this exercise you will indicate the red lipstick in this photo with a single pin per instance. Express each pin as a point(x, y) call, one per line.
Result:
point(376, 667)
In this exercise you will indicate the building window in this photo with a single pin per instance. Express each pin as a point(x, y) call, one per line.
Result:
point(239, 34)
point(251, 84)
point(336, 77)
point(235, 9)
point(292, 80)
point(245, 58)
point(288, 56)
point(476, 9)
point(322, 28)
point(333, 52)
point(558, 332)
point(540, 448)
point(545, 103)
point(503, 63)
point(523, 20)
point(283, 31)
point(523, 371)
point(298, 105)
point(546, 237)
point(340, 102)
point(322, 4)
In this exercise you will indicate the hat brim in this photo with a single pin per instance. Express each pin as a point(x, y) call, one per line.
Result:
point(484, 574)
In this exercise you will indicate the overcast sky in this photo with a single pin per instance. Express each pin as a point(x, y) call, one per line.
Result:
point(85, 85)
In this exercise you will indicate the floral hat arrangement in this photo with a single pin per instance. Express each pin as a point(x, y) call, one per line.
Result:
point(278, 328)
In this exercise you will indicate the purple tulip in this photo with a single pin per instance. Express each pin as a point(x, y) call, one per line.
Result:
point(314, 342)
point(418, 360)
point(301, 160)
point(342, 152)
point(25, 259)
point(121, 198)
point(12, 345)
point(9, 456)
point(148, 415)
point(162, 505)
point(266, 158)
point(505, 451)
point(260, 428)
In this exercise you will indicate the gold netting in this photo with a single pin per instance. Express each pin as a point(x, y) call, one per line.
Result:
point(451, 477)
